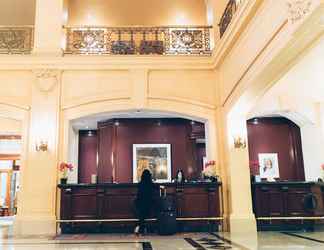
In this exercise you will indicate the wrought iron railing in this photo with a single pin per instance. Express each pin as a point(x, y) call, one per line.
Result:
point(227, 17)
point(138, 40)
point(16, 40)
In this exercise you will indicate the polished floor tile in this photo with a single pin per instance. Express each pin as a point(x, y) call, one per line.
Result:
point(184, 241)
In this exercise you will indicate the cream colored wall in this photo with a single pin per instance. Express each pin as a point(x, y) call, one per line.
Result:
point(81, 87)
point(16, 87)
point(253, 40)
point(140, 12)
point(10, 126)
point(17, 12)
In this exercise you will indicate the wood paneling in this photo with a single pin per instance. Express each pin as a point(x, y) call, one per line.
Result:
point(116, 201)
point(286, 199)
point(116, 146)
point(278, 135)
point(87, 156)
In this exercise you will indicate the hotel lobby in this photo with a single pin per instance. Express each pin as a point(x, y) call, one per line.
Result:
point(220, 101)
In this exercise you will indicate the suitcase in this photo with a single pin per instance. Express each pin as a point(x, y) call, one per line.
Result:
point(167, 217)
point(167, 222)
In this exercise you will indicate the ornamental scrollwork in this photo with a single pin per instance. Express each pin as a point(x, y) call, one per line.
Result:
point(138, 40)
point(297, 9)
point(16, 40)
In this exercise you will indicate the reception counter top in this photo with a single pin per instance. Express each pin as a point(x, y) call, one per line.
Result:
point(97, 207)
point(120, 185)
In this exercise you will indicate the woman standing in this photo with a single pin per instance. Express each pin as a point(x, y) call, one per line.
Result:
point(144, 200)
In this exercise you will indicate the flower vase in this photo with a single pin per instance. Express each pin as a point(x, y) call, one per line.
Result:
point(63, 181)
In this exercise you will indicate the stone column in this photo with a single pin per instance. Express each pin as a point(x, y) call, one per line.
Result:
point(241, 217)
point(37, 197)
point(48, 27)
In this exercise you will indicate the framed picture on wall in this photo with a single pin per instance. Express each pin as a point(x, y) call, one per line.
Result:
point(154, 157)
point(269, 167)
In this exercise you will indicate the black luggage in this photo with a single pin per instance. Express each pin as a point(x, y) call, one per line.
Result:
point(167, 217)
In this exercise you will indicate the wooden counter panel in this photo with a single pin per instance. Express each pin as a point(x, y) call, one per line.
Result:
point(114, 201)
point(286, 200)
point(119, 206)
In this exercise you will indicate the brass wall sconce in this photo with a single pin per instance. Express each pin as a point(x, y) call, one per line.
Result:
point(239, 142)
point(41, 146)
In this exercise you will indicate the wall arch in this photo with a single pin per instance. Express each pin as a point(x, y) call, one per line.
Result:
point(22, 115)
point(162, 107)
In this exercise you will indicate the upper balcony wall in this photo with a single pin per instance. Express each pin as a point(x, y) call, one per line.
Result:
point(139, 12)
point(17, 12)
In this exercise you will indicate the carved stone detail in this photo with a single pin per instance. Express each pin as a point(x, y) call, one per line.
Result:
point(47, 79)
point(297, 9)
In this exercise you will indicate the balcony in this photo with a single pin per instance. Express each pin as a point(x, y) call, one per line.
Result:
point(133, 40)
point(16, 39)
point(228, 15)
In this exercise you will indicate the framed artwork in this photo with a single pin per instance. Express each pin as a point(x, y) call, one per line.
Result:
point(269, 167)
point(154, 157)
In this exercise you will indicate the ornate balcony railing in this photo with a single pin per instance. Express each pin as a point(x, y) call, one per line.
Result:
point(138, 40)
point(16, 40)
point(227, 17)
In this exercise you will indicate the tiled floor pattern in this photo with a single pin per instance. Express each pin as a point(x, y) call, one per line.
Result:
point(185, 241)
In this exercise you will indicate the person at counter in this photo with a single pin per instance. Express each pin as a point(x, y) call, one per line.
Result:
point(144, 200)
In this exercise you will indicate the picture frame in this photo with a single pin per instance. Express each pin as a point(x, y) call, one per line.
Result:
point(154, 157)
point(269, 166)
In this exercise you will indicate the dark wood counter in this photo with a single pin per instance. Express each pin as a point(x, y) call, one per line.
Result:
point(294, 204)
point(99, 207)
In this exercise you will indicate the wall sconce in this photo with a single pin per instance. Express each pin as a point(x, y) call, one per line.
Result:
point(239, 142)
point(41, 146)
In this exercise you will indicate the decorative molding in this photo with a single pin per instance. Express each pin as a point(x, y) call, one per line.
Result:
point(47, 79)
point(297, 9)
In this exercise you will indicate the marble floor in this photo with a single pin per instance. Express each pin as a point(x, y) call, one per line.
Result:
point(184, 241)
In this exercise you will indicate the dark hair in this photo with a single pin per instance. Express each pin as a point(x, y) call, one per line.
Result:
point(146, 176)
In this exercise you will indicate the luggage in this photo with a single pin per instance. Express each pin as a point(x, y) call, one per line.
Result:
point(167, 217)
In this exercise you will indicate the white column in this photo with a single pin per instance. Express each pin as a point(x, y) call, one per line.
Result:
point(242, 218)
point(48, 27)
point(37, 197)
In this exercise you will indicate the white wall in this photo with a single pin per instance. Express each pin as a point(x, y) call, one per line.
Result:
point(312, 143)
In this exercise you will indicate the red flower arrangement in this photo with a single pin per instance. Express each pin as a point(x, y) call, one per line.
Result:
point(322, 166)
point(210, 163)
point(209, 169)
point(64, 168)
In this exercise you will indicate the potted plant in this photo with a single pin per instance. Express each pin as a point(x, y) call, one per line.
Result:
point(64, 168)
point(209, 172)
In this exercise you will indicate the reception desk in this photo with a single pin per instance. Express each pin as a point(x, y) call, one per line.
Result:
point(284, 205)
point(110, 207)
